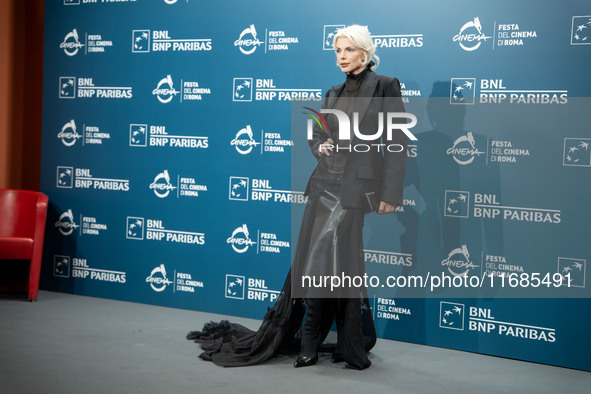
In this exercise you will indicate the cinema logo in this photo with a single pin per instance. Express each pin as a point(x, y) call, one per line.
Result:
point(266, 242)
point(143, 41)
point(183, 282)
point(388, 258)
point(481, 320)
point(244, 89)
point(187, 187)
point(465, 150)
point(240, 188)
point(66, 224)
point(488, 206)
point(494, 91)
point(91, 135)
point(244, 142)
point(81, 178)
point(94, 43)
point(155, 230)
point(471, 36)
point(274, 40)
point(71, 44)
point(142, 135)
point(191, 91)
point(157, 279)
point(239, 287)
point(87, 89)
point(458, 262)
point(82, 270)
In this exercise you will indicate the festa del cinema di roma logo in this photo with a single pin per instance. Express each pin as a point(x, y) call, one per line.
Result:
point(471, 36)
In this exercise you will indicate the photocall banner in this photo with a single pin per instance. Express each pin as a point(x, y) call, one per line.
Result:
point(175, 157)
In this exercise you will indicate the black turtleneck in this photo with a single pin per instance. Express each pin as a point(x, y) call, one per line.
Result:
point(345, 103)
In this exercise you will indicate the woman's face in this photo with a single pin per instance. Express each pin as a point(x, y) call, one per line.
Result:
point(349, 57)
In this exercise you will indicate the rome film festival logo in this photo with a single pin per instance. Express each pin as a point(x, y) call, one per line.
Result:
point(66, 224)
point(451, 315)
point(458, 262)
point(464, 149)
point(248, 42)
point(470, 36)
point(581, 30)
point(71, 43)
point(344, 132)
point(157, 279)
point(240, 240)
point(165, 91)
point(162, 185)
point(68, 134)
point(244, 141)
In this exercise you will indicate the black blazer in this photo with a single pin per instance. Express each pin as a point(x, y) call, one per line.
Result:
point(377, 170)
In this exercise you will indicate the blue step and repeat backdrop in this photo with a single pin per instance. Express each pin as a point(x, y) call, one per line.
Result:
point(175, 159)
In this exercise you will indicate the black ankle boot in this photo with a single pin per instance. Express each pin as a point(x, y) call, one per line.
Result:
point(305, 361)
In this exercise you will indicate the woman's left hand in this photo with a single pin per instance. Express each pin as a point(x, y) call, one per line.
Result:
point(386, 207)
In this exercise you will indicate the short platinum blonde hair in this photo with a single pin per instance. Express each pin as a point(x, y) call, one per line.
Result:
point(361, 38)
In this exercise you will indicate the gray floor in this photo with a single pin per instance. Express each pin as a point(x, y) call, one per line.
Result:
point(74, 344)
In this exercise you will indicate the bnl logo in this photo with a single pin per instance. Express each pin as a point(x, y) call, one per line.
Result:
point(61, 266)
point(572, 271)
point(135, 228)
point(235, 286)
point(67, 87)
point(328, 37)
point(457, 203)
point(576, 152)
point(238, 188)
point(581, 30)
point(451, 315)
point(242, 90)
point(462, 91)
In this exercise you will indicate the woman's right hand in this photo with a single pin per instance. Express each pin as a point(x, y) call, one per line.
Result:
point(326, 147)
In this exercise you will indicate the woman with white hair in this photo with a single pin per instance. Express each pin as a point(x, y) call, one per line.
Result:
point(353, 177)
point(357, 173)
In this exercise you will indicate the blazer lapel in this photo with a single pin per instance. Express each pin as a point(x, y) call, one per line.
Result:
point(334, 94)
point(366, 91)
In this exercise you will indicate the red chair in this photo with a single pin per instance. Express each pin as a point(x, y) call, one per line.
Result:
point(22, 227)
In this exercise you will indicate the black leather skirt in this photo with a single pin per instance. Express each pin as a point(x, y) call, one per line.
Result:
point(328, 262)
